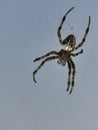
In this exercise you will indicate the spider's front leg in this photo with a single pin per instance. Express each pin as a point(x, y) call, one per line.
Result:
point(69, 75)
point(43, 62)
point(73, 76)
point(48, 54)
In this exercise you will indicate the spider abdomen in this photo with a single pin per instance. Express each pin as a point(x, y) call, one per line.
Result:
point(69, 43)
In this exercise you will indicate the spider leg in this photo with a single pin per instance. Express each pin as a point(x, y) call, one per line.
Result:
point(85, 35)
point(60, 27)
point(48, 54)
point(69, 75)
point(42, 63)
point(73, 76)
point(76, 54)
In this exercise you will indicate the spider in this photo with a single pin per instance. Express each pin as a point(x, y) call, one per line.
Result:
point(65, 54)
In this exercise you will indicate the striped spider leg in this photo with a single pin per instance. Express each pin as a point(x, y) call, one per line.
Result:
point(60, 27)
point(85, 35)
point(44, 61)
point(72, 70)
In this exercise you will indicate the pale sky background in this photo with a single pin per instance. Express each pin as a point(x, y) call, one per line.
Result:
point(28, 29)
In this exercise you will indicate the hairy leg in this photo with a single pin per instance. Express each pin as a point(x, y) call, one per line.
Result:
point(48, 54)
point(60, 27)
point(76, 54)
point(73, 76)
point(42, 63)
point(69, 75)
point(85, 35)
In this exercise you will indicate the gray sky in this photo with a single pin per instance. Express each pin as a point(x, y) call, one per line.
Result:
point(28, 29)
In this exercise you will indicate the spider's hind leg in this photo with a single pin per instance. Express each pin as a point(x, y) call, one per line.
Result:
point(42, 63)
point(60, 27)
point(85, 35)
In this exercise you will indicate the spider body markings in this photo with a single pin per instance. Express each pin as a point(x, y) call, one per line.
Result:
point(65, 54)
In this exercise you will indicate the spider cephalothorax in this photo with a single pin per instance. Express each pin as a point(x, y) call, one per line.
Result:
point(65, 54)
